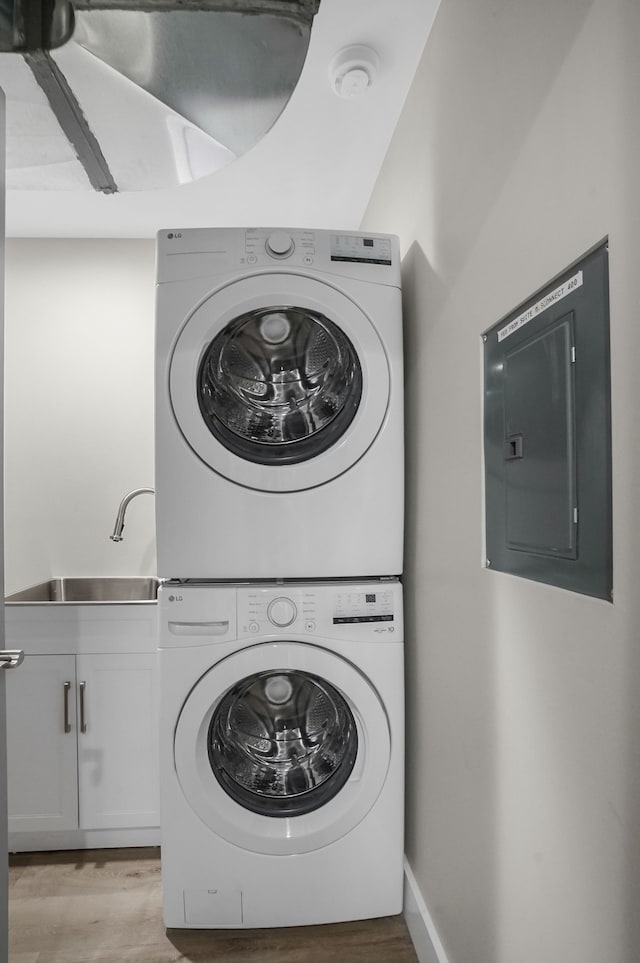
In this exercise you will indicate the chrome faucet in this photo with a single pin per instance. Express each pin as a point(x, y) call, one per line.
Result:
point(117, 530)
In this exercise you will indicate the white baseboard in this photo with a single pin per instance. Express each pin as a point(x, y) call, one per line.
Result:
point(47, 840)
point(426, 942)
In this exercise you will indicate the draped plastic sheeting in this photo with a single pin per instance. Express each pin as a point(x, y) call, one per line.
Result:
point(203, 80)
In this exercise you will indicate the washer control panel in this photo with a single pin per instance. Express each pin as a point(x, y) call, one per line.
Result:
point(290, 608)
point(297, 609)
point(355, 605)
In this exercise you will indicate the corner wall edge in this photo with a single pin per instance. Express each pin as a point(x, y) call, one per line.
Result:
point(422, 930)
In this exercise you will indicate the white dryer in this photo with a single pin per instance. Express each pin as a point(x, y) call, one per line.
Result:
point(279, 405)
point(281, 752)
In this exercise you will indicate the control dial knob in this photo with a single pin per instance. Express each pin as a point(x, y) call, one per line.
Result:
point(279, 244)
point(281, 612)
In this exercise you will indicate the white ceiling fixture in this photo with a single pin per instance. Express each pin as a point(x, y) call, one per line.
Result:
point(352, 71)
point(315, 167)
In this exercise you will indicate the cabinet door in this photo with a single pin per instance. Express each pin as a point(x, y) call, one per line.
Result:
point(118, 741)
point(41, 745)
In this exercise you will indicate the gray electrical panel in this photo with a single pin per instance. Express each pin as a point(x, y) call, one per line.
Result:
point(547, 440)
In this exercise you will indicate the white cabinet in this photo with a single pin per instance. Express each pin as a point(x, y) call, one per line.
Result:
point(82, 745)
point(82, 732)
point(41, 757)
point(117, 741)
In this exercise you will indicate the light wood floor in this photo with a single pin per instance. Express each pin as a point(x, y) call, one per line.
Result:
point(104, 906)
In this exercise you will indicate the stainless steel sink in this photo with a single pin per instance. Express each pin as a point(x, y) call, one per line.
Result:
point(87, 590)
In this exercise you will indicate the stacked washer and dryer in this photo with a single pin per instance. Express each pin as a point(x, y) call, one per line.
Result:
point(279, 500)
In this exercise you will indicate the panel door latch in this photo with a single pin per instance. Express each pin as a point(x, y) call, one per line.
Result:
point(514, 448)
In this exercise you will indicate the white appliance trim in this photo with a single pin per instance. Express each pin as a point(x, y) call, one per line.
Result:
point(262, 834)
point(211, 881)
point(271, 290)
point(214, 508)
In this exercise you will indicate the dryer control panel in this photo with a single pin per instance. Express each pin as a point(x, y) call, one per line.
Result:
point(262, 245)
point(360, 249)
point(229, 252)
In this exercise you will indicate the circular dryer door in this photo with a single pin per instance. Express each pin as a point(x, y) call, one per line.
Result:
point(282, 748)
point(279, 382)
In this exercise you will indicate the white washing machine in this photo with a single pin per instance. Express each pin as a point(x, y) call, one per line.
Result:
point(281, 759)
point(279, 405)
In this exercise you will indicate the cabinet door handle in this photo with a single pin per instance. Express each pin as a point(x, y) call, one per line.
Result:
point(83, 721)
point(67, 688)
point(11, 658)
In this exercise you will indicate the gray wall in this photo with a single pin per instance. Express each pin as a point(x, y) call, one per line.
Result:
point(518, 149)
point(78, 407)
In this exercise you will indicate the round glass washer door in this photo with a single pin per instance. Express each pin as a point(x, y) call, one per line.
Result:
point(282, 743)
point(279, 382)
point(283, 782)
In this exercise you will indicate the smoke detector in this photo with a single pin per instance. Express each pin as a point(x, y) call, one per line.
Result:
point(352, 71)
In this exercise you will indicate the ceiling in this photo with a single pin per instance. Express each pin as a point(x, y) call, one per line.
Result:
point(316, 167)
